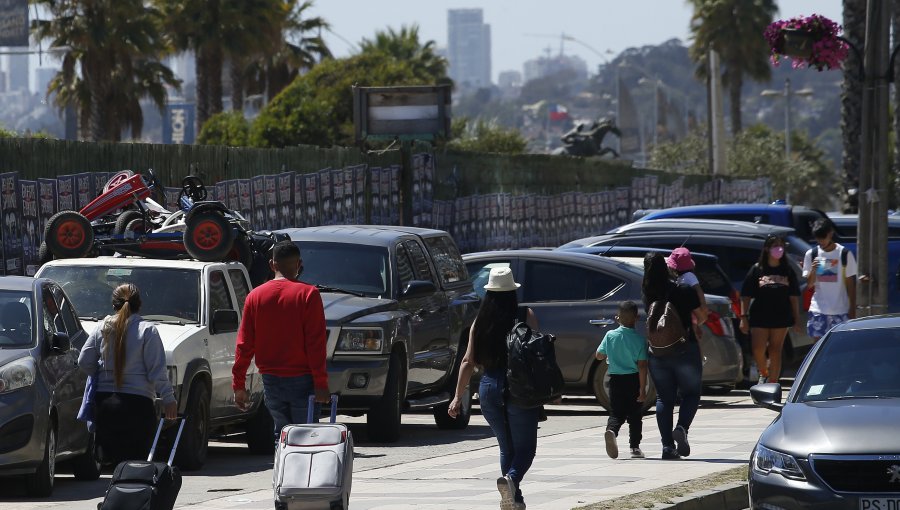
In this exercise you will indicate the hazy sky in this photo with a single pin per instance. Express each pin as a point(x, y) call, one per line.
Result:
point(523, 29)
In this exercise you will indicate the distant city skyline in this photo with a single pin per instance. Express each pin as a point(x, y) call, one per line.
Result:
point(522, 30)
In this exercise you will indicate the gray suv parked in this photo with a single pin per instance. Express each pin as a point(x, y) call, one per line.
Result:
point(398, 306)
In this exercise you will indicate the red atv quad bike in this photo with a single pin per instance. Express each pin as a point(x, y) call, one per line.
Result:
point(124, 219)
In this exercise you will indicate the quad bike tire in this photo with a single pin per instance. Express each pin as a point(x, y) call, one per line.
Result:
point(124, 220)
point(135, 226)
point(208, 237)
point(241, 251)
point(44, 254)
point(69, 235)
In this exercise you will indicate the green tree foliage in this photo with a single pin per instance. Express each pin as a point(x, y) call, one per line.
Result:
point(111, 61)
point(758, 151)
point(317, 108)
point(734, 29)
point(486, 136)
point(225, 128)
point(295, 45)
point(405, 46)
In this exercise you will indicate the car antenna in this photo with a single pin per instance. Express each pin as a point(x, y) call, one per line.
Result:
point(686, 240)
point(613, 245)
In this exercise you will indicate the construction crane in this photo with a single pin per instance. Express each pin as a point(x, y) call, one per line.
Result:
point(563, 37)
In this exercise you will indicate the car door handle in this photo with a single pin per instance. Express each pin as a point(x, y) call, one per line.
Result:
point(602, 322)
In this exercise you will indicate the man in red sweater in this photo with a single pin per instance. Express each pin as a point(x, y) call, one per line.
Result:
point(284, 327)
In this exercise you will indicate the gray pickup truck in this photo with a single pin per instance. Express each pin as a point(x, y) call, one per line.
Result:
point(398, 307)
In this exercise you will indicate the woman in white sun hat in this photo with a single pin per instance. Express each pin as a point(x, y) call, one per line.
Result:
point(515, 427)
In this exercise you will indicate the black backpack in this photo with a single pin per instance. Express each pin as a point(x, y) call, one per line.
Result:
point(532, 374)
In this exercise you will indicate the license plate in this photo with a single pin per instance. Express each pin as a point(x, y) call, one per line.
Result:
point(879, 503)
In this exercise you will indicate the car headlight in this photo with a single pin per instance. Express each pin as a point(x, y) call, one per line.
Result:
point(16, 374)
point(767, 461)
point(360, 340)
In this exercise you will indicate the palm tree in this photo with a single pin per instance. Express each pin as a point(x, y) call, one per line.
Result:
point(111, 63)
point(405, 46)
point(734, 29)
point(298, 46)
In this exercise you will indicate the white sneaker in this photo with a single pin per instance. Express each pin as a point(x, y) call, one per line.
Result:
point(507, 489)
point(612, 449)
point(636, 453)
point(762, 379)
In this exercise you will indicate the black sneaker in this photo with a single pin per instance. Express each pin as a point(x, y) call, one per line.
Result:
point(681, 440)
point(669, 453)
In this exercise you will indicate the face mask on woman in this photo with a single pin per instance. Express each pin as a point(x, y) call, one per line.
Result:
point(776, 252)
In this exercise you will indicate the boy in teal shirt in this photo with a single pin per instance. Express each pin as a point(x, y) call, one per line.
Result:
point(626, 352)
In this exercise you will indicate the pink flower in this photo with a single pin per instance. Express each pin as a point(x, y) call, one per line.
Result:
point(827, 50)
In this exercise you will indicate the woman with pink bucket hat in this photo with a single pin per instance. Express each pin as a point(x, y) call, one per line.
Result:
point(515, 427)
point(681, 261)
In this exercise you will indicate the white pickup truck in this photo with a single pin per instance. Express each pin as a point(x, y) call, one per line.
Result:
point(197, 307)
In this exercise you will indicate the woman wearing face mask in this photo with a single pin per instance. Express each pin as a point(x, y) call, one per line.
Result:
point(769, 306)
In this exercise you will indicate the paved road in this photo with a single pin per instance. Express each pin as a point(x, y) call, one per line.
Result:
point(430, 468)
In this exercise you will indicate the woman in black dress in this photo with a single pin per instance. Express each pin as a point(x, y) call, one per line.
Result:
point(769, 306)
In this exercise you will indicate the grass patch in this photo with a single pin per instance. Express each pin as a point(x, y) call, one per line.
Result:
point(665, 495)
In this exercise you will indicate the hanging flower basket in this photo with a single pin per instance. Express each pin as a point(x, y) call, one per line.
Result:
point(812, 41)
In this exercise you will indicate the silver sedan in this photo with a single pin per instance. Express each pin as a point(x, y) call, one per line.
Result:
point(576, 296)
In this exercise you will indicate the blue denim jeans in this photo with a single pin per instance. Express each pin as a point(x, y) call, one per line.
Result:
point(673, 374)
point(515, 427)
point(287, 399)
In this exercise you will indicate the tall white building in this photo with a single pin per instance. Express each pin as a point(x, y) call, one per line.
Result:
point(543, 67)
point(42, 78)
point(17, 73)
point(469, 48)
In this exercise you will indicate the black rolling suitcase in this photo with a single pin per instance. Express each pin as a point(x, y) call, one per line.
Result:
point(145, 485)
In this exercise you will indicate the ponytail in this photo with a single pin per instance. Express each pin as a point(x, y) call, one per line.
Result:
point(126, 300)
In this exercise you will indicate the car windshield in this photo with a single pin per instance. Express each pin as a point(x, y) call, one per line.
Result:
point(854, 364)
point(16, 320)
point(346, 266)
point(166, 293)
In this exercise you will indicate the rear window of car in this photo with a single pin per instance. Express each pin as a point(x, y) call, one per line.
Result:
point(16, 319)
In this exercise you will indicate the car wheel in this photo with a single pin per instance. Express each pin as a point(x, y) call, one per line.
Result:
point(600, 388)
point(444, 421)
point(260, 429)
point(40, 483)
point(191, 454)
point(86, 466)
point(208, 236)
point(69, 235)
point(124, 219)
point(383, 419)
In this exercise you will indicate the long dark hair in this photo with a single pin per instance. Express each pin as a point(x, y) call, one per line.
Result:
point(764, 256)
point(126, 300)
point(495, 320)
point(657, 279)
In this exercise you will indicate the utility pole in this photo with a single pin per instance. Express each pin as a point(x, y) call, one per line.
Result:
point(717, 117)
point(787, 119)
point(873, 272)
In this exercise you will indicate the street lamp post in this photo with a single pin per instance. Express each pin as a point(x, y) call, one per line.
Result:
point(786, 94)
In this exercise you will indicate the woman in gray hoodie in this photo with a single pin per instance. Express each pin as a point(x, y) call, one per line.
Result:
point(126, 355)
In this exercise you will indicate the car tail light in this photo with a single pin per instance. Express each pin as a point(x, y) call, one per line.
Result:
point(735, 302)
point(714, 323)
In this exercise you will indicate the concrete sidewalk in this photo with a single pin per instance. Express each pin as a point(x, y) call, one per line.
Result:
point(571, 468)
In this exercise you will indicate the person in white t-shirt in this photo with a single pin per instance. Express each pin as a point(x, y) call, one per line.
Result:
point(832, 269)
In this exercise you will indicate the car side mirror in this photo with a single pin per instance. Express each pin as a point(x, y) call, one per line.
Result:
point(767, 395)
point(418, 288)
point(224, 321)
point(60, 342)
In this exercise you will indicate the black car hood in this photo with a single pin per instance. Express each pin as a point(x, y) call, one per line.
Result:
point(341, 308)
point(839, 427)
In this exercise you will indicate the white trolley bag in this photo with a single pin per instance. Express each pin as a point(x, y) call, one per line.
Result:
point(314, 464)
